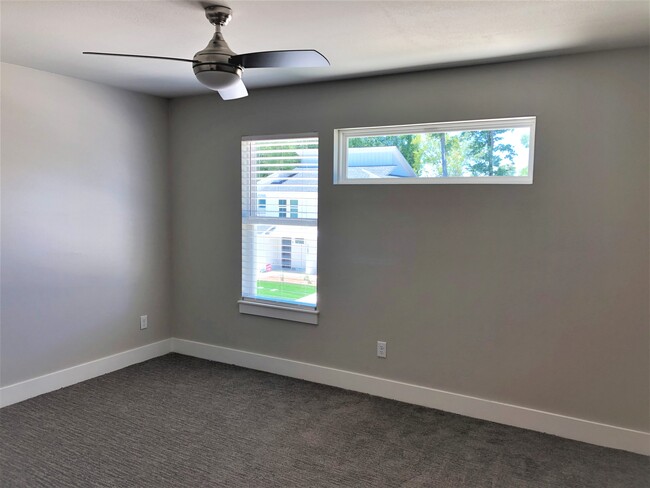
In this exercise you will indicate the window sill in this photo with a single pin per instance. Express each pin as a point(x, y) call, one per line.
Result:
point(282, 312)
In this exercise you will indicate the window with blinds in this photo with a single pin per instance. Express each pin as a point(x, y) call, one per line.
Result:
point(280, 220)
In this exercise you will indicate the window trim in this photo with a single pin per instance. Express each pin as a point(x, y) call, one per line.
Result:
point(307, 314)
point(341, 137)
point(275, 310)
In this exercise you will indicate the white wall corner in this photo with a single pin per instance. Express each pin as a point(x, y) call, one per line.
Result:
point(24, 390)
point(503, 413)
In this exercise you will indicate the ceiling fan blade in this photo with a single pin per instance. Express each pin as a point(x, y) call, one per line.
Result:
point(306, 58)
point(238, 90)
point(138, 56)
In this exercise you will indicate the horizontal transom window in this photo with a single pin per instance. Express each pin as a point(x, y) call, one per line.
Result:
point(475, 151)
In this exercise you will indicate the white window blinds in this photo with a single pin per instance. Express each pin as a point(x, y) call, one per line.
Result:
point(279, 220)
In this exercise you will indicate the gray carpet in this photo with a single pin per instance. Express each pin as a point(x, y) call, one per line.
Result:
point(177, 421)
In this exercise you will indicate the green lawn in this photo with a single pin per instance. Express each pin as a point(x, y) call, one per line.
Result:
point(286, 291)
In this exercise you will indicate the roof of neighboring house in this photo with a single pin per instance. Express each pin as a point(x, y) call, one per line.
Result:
point(363, 163)
point(375, 162)
point(303, 178)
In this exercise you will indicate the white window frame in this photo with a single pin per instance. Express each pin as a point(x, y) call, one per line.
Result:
point(306, 314)
point(341, 137)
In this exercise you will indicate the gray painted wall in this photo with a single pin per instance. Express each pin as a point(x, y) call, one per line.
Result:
point(532, 295)
point(85, 222)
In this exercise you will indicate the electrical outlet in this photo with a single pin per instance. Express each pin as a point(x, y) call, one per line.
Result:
point(381, 349)
point(143, 322)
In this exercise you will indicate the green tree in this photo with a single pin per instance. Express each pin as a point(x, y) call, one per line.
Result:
point(440, 154)
point(525, 141)
point(486, 153)
point(443, 153)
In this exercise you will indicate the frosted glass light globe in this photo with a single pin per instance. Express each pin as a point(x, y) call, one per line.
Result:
point(217, 80)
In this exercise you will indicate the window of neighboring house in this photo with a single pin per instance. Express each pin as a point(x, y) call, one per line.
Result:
point(476, 151)
point(279, 241)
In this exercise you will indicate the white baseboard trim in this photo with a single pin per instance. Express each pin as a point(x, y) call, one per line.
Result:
point(503, 413)
point(60, 379)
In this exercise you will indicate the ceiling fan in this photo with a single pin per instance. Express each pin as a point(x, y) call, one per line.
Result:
point(220, 69)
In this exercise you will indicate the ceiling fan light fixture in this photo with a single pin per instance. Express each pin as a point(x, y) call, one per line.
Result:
point(217, 80)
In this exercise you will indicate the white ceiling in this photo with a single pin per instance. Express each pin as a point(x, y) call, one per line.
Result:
point(360, 38)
